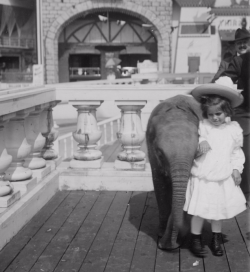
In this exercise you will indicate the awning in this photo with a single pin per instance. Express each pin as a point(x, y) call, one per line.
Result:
point(85, 50)
point(227, 35)
point(135, 50)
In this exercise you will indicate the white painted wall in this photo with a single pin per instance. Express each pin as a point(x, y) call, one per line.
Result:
point(207, 48)
point(194, 14)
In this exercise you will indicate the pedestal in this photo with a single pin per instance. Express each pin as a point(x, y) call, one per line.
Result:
point(5, 161)
point(18, 147)
point(87, 135)
point(95, 164)
point(35, 139)
point(131, 135)
point(49, 131)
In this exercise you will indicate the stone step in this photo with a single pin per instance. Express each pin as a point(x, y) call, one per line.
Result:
point(6, 201)
point(39, 174)
point(25, 186)
point(15, 216)
point(106, 178)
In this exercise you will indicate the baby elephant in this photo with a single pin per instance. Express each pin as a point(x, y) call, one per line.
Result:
point(172, 141)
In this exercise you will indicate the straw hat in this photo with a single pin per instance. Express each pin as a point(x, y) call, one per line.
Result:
point(222, 87)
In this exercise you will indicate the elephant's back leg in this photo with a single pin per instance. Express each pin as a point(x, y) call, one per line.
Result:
point(163, 190)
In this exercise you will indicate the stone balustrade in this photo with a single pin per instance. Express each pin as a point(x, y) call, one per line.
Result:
point(27, 131)
point(24, 132)
point(135, 103)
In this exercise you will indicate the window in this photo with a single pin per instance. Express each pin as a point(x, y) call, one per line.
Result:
point(193, 64)
point(194, 29)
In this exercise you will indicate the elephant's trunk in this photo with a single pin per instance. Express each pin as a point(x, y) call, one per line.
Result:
point(179, 174)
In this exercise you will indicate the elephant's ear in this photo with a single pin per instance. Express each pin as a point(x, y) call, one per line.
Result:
point(190, 105)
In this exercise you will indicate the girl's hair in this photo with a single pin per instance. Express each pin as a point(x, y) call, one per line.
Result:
point(215, 100)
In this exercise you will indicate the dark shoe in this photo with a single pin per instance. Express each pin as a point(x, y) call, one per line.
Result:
point(216, 244)
point(197, 247)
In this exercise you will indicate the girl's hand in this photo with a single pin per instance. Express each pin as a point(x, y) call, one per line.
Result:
point(236, 177)
point(204, 147)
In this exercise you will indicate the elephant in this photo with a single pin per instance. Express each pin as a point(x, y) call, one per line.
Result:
point(172, 141)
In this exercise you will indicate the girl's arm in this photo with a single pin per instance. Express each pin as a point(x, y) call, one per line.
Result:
point(237, 162)
point(203, 146)
point(237, 156)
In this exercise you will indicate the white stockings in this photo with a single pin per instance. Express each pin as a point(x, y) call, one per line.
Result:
point(197, 223)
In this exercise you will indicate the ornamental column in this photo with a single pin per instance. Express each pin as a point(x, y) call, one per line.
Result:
point(5, 159)
point(17, 146)
point(87, 135)
point(35, 139)
point(49, 131)
point(131, 136)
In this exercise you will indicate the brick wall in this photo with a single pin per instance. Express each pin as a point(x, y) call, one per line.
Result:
point(57, 13)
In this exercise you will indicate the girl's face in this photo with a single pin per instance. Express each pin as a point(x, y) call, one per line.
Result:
point(216, 116)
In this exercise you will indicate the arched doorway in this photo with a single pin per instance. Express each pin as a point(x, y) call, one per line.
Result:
point(89, 43)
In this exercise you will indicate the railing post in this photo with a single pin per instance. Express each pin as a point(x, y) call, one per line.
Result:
point(5, 159)
point(131, 135)
point(17, 146)
point(35, 139)
point(49, 131)
point(87, 135)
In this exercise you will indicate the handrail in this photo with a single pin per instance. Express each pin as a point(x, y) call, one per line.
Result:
point(16, 42)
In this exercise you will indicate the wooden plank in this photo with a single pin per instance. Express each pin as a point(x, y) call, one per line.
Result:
point(35, 248)
point(146, 244)
point(41, 239)
point(98, 254)
point(236, 250)
point(211, 262)
point(18, 242)
point(167, 261)
point(243, 223)
point(79, 247)
point(122, 252)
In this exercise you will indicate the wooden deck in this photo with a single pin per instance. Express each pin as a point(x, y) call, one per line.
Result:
point(113, 232)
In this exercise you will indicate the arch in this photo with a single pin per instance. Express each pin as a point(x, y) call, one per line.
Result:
point(161, 32)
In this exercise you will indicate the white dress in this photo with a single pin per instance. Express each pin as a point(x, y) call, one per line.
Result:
point(211, 191)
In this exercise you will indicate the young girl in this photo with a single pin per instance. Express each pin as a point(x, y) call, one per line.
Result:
point(213, 191)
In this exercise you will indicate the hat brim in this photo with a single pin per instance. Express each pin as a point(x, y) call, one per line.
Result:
point(239, 39)
point(212, 88)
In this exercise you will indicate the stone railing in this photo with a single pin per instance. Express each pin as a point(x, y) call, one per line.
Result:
point(135, 104)
point(26, 137)
point(27, 132)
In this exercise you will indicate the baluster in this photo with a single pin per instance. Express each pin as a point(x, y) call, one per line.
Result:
point(17, 146)
point(49, 131)
point(118, 125)
point(35, 139)
point(5, 159)
point(87, 135)
point(65, 148)
point(105, 133)
point(111, 132)
point(131, 136)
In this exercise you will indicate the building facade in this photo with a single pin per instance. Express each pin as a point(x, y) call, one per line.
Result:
point(87, 33)
point(18, 44)
point(202, 31)
point(89, 39)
